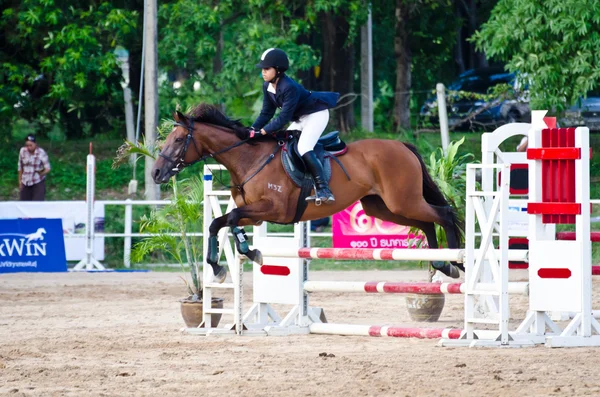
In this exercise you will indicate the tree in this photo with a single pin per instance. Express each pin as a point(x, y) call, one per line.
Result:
point(472, 13)
point(58, 63)
point(553, 44)
point(403, 57)
point(421, 44)
point(339, 25)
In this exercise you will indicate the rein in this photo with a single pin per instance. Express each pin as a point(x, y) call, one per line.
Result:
point(180, 163)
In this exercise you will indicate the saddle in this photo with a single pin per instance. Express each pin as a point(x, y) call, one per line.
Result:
point(328, 147)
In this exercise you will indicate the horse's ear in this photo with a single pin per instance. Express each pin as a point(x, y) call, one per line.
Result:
point(179, 117)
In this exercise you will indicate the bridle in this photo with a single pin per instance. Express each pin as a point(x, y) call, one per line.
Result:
point(179, 162)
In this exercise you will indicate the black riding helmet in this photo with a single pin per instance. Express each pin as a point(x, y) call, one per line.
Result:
point(274, 58)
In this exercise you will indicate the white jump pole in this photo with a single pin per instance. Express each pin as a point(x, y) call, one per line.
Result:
point(89, 262)
point(384, 330)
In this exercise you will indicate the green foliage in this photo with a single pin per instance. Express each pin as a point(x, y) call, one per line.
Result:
point(448, 170)
point(59, 67)
point(554, 44)
point(58, 62)
point(189, 50)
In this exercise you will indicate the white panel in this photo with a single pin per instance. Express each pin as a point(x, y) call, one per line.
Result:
point(554, 294)
point(276, 288)
point(517, 218)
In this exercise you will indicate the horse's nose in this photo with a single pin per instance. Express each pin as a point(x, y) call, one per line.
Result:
point(156, 175)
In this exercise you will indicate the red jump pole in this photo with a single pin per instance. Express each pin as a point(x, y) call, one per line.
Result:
point(571, 236)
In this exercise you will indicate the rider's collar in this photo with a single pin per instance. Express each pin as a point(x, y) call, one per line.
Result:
point(271, 88)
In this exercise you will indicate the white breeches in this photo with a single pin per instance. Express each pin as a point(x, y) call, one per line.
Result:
point(312, 126)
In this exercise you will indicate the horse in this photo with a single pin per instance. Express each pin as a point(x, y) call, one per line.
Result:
point(388, 177)
point(38, 235)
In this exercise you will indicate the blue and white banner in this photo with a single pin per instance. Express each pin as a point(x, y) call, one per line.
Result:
point(32, 245)
point(74, 219)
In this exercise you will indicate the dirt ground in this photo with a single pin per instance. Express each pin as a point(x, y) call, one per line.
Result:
point(102, 334)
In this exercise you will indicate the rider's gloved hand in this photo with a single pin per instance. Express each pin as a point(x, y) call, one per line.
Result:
point(252, 132)
point(245, 133)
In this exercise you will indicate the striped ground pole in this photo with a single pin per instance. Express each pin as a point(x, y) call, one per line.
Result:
point(384, 330)
point(406, 288)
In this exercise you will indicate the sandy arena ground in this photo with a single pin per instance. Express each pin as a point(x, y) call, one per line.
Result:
point(119, 335)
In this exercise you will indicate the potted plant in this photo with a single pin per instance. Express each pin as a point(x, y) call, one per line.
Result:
point(168, 227)
point(448, 170)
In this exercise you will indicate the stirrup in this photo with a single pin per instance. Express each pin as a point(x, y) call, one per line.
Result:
point(328, 198)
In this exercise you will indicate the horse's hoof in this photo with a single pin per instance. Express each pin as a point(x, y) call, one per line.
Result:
point(220, 275)
point(446, 268)
point(258, 258)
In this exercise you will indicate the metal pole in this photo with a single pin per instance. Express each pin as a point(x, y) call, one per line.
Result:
point(89, 262)
point(127, 245)
point(443, 113)
point(152, 191)
point(129, 121)
point(366, 74)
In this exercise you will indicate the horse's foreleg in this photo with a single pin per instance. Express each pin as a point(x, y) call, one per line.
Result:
point(212, 256)
point(248, 214)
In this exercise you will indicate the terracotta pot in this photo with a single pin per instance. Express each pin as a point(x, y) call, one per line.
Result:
point(192, 312)
point(425, 307)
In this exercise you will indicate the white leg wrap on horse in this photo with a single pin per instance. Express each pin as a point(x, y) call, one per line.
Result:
point(312, 126)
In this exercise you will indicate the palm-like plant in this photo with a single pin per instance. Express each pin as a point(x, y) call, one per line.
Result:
point(448, 170)
point(184, 213)
point(169, 225)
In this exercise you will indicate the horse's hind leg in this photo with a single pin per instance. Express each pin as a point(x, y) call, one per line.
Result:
point(450, 225)
point(374, 206)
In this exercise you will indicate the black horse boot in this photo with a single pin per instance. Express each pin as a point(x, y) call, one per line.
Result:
point(322, 192)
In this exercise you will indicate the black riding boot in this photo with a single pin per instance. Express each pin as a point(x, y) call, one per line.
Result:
point(322, 192)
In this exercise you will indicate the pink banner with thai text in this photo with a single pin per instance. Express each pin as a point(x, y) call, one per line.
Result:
point(352, 228)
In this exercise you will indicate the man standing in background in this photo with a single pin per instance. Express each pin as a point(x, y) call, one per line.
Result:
point(33, 168)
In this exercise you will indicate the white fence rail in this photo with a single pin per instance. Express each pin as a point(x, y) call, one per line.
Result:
point(127, 234)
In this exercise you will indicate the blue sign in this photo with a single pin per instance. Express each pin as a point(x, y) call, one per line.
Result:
point(32, 245)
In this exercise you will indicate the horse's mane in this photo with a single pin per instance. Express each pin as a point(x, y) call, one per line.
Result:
point(205, 113)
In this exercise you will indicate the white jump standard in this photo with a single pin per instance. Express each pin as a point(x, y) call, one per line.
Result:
point(559, 271)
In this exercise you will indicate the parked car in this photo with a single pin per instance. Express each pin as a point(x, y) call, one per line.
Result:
point(586, 112)
point(479, 81)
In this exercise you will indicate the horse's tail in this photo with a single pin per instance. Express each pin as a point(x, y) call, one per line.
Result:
point(434, 196)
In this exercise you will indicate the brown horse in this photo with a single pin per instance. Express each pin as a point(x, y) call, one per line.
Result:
point(388, 177)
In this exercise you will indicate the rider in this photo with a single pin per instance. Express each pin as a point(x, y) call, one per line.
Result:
point(308, 111)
